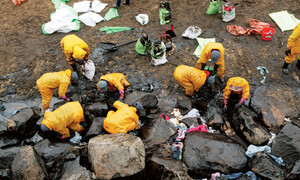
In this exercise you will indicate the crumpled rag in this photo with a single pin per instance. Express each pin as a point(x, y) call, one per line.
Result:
point(256, 25)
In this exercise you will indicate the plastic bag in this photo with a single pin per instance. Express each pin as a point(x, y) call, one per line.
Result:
point(214, 7)
point(142, 45)
point(164, 13)
point(192, 32)
point(76, 139)
point(90, 18)
point(143, 19)
point(88, 69)
point(158, 54)
point(112, 13)
point(228, 12)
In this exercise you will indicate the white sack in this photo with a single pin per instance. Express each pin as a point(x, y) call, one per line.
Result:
point(192, 32)
point(97, 6)
point(143, 19)
point(83, 6)
point(88, 69)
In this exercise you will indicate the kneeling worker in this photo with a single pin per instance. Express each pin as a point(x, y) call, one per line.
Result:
point(112, 82)
point(69, 115)
point(192, 79)
point(49, 81)
point(75, 49)
point(236, 86)
point(215, 52)
point(124, 119)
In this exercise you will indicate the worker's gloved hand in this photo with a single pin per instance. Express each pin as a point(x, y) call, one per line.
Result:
point(63, 137)
point(242, 100)
point(222, 80)
point(225, 108)
point(288, 51)
point(225, 102)
point(121, 92)
point(65, 98)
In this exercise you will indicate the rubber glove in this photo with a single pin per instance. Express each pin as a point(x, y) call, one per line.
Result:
point(121, 92)
point(242, 100)
point(65, 98)
point(63, 137)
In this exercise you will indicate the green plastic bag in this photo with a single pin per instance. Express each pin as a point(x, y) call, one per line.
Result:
point(164, 13)
point(109, 30)
point(158, 50)
point(214, 7)
point(112, 13)
point(142, 45)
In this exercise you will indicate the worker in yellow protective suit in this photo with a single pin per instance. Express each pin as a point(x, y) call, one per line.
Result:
point(49, 81)
point(75, 49)
point(293, 49)
point(192, 79)
point(124, 119)
point(236, 85)
point(112, 82)
point(69, 115)
point(215, 52)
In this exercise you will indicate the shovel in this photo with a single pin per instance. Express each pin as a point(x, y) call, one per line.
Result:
point(113, 46)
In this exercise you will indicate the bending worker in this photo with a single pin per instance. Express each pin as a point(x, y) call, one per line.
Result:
point(49, 81)
point(236, 86)
point(69, 115)
point(192, 79)
point(112, 82)
point(75, 49)
point(124, 119)
point(293, 49)
point(215, 52)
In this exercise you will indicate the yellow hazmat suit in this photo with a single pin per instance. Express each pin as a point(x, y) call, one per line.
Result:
point(74, 47)
point(67, 116)
point(123, 120)
point(206, 55)
point(190, 78)
point(116, 81)
point(237, 81)
point(49, 81)
point(294, 44)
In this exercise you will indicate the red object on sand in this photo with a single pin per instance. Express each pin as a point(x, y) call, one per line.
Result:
point(267, 33)
point(18, 2)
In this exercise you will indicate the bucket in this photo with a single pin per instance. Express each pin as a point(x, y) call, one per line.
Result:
point(267, 33)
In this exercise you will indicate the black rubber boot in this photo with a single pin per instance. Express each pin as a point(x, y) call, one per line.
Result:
point(285, 67)
point(298, 63)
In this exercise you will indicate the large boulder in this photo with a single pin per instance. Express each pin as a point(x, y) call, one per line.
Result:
point(266, 167)
point(7, 141)
point(28, 165)
point(98, 109)
point(158, 147)
point(206, 153)
point(184, 106)
point(7, 156)
point(116, 155)
point(54, 156)
point(244, 123)
point(74, 171)
point(95, 129)
point(157, 127)
point(295, 173)
point(271, 102)
point(148, 100)
point(166, 168)
point(3, 126)
point(26, 121)
point(287, 144)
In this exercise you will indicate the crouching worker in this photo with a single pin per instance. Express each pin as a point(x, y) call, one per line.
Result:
point(236, 88)
point(76, 50)
point(215, 52)
point(112, 82)
point(192, 79)
point(125, 119)
point(49, 81)
point(69, 115)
